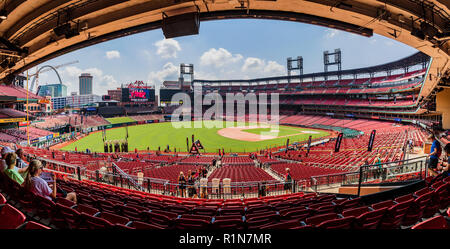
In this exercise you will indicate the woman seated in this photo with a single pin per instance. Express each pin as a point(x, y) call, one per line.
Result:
point(39, 186)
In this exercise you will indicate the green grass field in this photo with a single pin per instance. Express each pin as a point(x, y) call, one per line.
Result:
point(120, 120)
point(163, 134)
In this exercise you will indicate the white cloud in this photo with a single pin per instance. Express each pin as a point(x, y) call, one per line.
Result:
point(389, 43)
point(167, 48)
point(253, 64)
point(330, 33)
point(101, 82)
point(259, 67)
point(113, 54)
point(273, 68)
point(219, 58)
point(168, 72)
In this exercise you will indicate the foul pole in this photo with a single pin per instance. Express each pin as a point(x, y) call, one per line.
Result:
point(28, 131)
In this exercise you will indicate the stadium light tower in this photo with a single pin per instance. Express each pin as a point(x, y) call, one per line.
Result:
point(337, 60)
point(186, 69)
point(291, 68)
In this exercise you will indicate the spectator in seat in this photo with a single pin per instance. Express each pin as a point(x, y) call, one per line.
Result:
point(11, 160)
point(39, 186)
point(205, 172)
point(434, 155)
point(191, 183)
point(182, 184)
point(4, 152)
point(20, 162)
point(444, 167)
point(288, 181)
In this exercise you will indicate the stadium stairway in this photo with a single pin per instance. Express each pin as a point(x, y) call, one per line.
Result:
point(273, 174)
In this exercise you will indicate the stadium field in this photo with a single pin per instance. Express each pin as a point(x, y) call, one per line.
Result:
point(231, 136)
point(120, 120)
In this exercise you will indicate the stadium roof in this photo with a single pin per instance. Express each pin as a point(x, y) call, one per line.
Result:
point(39, 30)
point(18, 92)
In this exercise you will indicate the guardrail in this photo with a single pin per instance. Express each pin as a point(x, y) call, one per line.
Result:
point(409, 169)
point(111, 174)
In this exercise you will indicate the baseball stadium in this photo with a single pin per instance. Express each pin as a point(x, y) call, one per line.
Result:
point(363, 147)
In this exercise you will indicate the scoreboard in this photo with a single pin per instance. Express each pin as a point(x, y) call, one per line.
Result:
point(138, 95)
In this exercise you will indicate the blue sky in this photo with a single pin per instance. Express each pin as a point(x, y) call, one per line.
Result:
point(226, 49)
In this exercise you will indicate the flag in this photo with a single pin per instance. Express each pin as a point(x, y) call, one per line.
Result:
point(199, 144)
point(194, 149)
point(338, 142)
point(371, 139)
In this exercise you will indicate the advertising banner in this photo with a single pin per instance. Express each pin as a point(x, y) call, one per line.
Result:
point(371, 139)
point(338, 142)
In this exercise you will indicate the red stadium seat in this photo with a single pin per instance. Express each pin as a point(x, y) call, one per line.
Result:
point(10, 217)
point(65, 202)
point(188, 223)
point(365, 217)
point(2, 199)
point(31, 225)
point(232, 211)
point(231, 222)
point(81, 208)
point(443, 195)
point(340, 223)
point(65, 217)
point(144, 226)
point(92, 222)
point(291, 224)
point(437, 222)
point(197, 217)
point(394, 215)
point(204, 211)
point(316, 220)
point(43, 206)
point(259, 220)
point(113, 218)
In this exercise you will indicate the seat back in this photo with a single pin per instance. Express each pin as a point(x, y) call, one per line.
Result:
point(344, 223)
point(81, 208)
point(371, 219)
point(197, 217)
point(204, 211)
point(10, 217)
point(187, 223)
point(291, 224)
point(43, 206)
point(146, 226)
point(66, 216)
point(93, 222)
point(2, 199)
point(394, 215)
point(65, 202)
point(437, 222)
point(31, 225)
point(234, 222)
point(114, 218)
point(299, 214)
point(316, 220)
point(355, 211)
